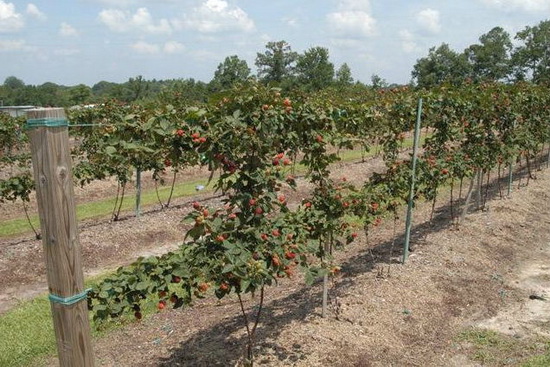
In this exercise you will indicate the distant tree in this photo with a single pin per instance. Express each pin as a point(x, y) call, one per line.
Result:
point(50, 94)
point(136, 88)
point(532, 58)
point(104, 89)
point(314, 70)
point(186, 91)
point(378, 82)
point(232, 70)
point(79, 94)
point(490, 59)
point(11, 82)
point(441, 65)
point(276, 63)
point(17, 93)
point(343, 75)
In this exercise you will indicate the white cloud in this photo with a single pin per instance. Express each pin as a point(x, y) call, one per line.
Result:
point(34, 12)
point(290, 21)
point(525, 5)
point(128, 3)
point(123, 21)
point(13, 45)
point(170, 47)
point(67, 30)
point(214, 16)
point(358, 5)
point(352, 19)
point(429, 20)
point(146, 48)
point(408, 43)
point(10, 20)
point(173, 47)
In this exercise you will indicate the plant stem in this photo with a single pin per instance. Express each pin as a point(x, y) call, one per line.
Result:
point(158, 196)
point(113, 215)
point(36, 234)
point(249, 336)
point(117, 216)
point(172, 188)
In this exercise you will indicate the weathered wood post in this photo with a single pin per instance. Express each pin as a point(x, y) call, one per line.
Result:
point(51, 160)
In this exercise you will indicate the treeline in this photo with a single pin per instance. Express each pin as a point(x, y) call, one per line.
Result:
point(494, 58)
point(277, 65)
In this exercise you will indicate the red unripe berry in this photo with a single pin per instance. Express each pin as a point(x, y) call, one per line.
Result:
point(264, 236)
point(161, 305)
point(319, 138)
point(224, 287)
point(252, 202)
point(287, 102)
point(180, 132)
point(258, 211)
point(195, 135)
point(176, 279)
point(203, 287)
point(138, 315)
point(290, 255)
point(276, 233)
point(196, 205)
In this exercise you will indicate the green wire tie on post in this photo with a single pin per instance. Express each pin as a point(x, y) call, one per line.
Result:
point(53, 122)
point(46, 122)
point(67, 301)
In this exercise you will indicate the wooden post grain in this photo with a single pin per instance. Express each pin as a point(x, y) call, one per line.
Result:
point(56, 207)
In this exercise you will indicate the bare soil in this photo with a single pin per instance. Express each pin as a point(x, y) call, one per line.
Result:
point(482, 273)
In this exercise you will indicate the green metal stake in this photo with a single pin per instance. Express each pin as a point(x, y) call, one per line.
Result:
point(510, 176)
point(413, 179)
point(138, 192)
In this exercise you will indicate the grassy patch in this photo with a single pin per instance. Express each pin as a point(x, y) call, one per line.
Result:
point(103, 208)
point(492, 348)
point(27, 335)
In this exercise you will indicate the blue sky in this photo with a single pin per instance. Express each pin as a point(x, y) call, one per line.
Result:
point(86, 41)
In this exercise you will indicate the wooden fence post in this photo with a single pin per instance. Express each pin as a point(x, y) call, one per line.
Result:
point(51, 160)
